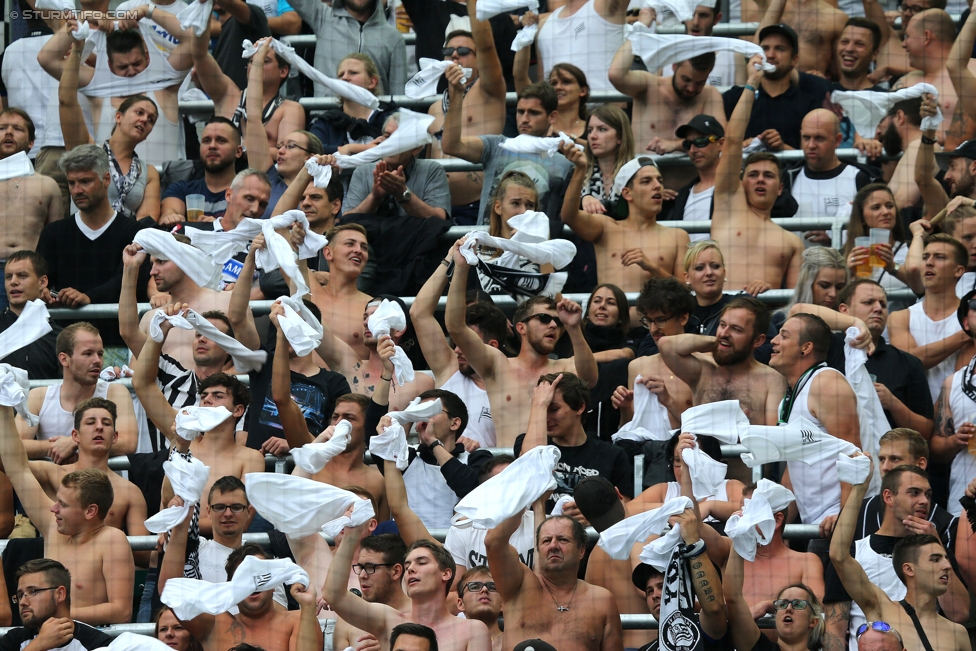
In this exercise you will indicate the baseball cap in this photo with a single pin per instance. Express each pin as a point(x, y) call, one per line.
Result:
point(597, 500)
point(783, 30)
point(966, 149)
point(641, 574)
point(627, 171)
point(703, 124)
point(534, 644)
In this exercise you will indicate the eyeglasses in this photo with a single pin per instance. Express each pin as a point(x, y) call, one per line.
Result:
point(30, 593)
point(235, 508)
point(292, 145)
point(881, 627)
point(911, 10)
point(703, 141)
point(369, 568)
point(477, 586)
point(660, 322)
point(798, 604)
point(462, 51)
point(545, 319)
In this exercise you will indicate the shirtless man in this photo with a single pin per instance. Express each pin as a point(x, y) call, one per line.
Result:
point(818, 24)
point(539, 323)
point(429, 574)
point(758, 252)
point(340, 300)
point(80, 351)
point(216, 448)
point(29, 202)
point(921, 563)
point(550, 603)
point(479, 600)
point(900, 132)
point(258, 622)
point(73, 527)
point(928, 41)
point(662, 104)
point(632, 251)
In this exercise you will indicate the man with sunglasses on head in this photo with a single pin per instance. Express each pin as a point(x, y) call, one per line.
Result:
point(879, 636)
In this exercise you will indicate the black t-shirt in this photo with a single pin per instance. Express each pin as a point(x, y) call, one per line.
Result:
point(833, 588)
point(873, 510)
point(765, 644)
point(227, 52)
point(784, 112)
point(38, 359)
point(708, 644)
point(86, 638)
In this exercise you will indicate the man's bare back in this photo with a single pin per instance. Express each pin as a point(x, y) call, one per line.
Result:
point(818, 26)
point(764, 578)
point(179, 343)
point(532, 614)
point(755, 248)
point(344, 315)
point(29, 202)
point(663, 246)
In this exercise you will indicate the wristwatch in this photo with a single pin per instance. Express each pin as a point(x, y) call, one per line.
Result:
point(435, 442)
point(407, 195)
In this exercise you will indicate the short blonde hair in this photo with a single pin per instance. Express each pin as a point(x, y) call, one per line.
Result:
point(695, 249)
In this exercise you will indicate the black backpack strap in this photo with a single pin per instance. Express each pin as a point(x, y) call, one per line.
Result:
point(918, 625)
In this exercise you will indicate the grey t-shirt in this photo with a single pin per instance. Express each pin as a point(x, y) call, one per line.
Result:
point(425, 178)
point(547, 172)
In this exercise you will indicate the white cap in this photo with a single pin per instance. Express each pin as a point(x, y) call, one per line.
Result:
point(628, 170)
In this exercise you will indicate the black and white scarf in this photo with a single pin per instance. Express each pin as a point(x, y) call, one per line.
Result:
point(518, 284)
point(240, 113)
point(123, 182)
point(678, 628)
point(968, 387)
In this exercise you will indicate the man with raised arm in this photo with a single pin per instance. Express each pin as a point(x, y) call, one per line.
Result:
point(73, 527)
point(921, 563)
point(928, 41)
point(24, 280)
point(760, 254)
point(632, 251)
point(429, 574)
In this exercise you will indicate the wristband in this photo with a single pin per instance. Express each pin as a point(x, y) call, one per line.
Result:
point(386, 379)
point(150, 10)
point(446, 263)
point(928, 141)
point(690, 551)
point(434, 444)
point(748, 87)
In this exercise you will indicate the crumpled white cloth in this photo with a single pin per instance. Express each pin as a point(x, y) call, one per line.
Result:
point(295, 505)
point(526, 144)
point(778, 496)
point(191, 422)
point(14, 387)
point(188, 478)
point(659, 50)
point(196, 16)
point(852, 470)
point(64, 6)
point(202, 268)
point(524, 37)
point(490, 8)
point(424, 83)
point(723, 420)
point(801, 440)
point(410, 134)
point(682, 10)
point(31, 325)
point(108, 373)
point(870, 412)
point(558, 253)
point(754, 527)
point(192, 597)
point(300, 327)
point(866, 108)
point(561, 503)
point(389, 318)
point(14, 166)
point(706, 473)
point(341, 88)
point(245, 360)
point(417, 412)
point(135, 642)
point(618, 540)
point(509, 492)
point(650, 422)
point(321, 174)
point(391, 445)
point(312, 457)
point(362, 511)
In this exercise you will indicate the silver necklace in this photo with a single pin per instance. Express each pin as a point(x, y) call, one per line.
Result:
point(562, 609)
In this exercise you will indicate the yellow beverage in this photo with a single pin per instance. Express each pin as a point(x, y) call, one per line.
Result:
point(875, 259)
point(863, 270)
point(972, 446)
point(193, 215)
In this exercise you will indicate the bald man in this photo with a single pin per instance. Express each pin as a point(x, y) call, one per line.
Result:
point(822, 184)
point(928, 42)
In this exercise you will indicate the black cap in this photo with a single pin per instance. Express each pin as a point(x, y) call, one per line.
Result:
point(642, 574)
point(534, 644)
point(597, 500)
point(966, 149)
point(963, 310)
point(783, 30)
point(703, 124)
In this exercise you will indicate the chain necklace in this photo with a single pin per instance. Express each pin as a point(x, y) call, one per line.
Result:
point(562, 609)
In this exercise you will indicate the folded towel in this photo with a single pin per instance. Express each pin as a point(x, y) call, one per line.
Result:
point(191, 422)
point(188, 478)
point(526, 144)
point(245, 360)
point(411, 134)
point(312, 457)
point(15, 166)
point(424, 83)
point(200, 267)
point(558, 253)
point(659, 50)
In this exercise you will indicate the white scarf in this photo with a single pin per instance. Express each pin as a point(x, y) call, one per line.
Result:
point(424, 83)
point(754, 527)
point(391, 445)
point(526, 144)
point(321, 176)
point(15, 166)
point(389, 318)
point(195, 263)
point(866, 108)
point(362, 512)
point(618, 540)
point(650, 422)
point(660, 50)
point(558, 253)
point(191, 422)
point(296, 506)
point(245, 360)
point(870, 412)
point(800, 440)
point(723, 420)
point(312, 457)
point(300, 327)
point(188, 478)
point(524, 37)
point(411, 133)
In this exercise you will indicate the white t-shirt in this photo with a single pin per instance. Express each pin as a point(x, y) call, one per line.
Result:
point(163, 40)
point(29, 87)
point(467, 545)
point(213, 568)
point(699, 208)
point(722, 75)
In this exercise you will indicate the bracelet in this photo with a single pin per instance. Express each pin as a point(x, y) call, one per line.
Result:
point(386, 379)
point(928, 141)
point(446, 262)
point(748, 87)
point(690, 551)
point(150, 10)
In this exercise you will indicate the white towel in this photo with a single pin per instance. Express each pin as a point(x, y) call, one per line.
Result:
point(191, 597)
point(196, 16)
point(778, 496)
point(300, 327)
point(14, 387)
point(707, 474)
point(853, 470)
point(362, 511)
point(312, 457)
point(754, 527)
point(135, 642)
point(561, 503)
point(530, 226)
point(524, 37)
point(188, 478)
point(387, 319)
point(200, 267)
point(424, 83)
point(526, 144)
point(296, 506)
point(659, 50)
point(191, 422)
point(391, 445)
point(558, 253)
point(31, 325)
point(798, 441)
point(723, 420)
point(490, 8)
point(14, 166)
point(870, 412)
point(245, 360)
point(417, 412)
point(108, 373)
point(866, 108)
point(278, 254)
point(618, 540)
point(509, 492)
point(682, 10)
point(341, 88)
point(650, 422)
point(410, 134)
point(321, 174)
point(65, 6)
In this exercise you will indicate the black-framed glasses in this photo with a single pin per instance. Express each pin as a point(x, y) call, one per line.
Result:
point(911, 10)
point(30, 593)
point(291, 145)
point(703, 141)
point(660, 321)
point(798, 604)
point(545, 319)
point(234, 508)
point(881, 627)
point(477, 586)
point(369, 568)
point(462, 51)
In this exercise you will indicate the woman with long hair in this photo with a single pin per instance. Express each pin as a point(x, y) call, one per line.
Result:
point(823, 274)
point(572, 91)
point(874, 207)
point(170, 632)
point(606, 324)
point(609, 145)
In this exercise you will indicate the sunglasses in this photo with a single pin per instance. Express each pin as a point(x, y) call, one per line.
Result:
point(545, 319)
point(798, 604)
point(476, 586)
point(881, 627)
point(462, 51)
point(703, 141)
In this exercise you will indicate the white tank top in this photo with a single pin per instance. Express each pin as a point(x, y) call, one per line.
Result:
point(926, 331)
point(428, 494)
point(165, 141)
point(480, 427)
point(881, 573)
point(964, 464)
point(816, 487)
point(54, 419)
point(584, 39)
